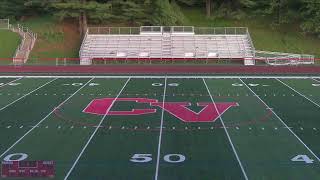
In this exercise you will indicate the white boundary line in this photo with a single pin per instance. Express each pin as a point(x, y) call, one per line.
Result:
point(161, 127)
point(42, 120)
point(299, 93)
point(27, 94)
point(95, 131)
point(227, 133)
point(11, 82)
point(173, 76)
point(282, 121)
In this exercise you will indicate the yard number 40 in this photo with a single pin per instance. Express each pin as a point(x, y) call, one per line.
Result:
point(170, 158)
point(302, 158)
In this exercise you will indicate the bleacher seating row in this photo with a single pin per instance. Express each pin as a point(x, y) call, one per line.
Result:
point(166, 45)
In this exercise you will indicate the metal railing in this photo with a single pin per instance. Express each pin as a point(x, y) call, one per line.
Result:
point(23, 48)
point(172, 29)
point(279, 58)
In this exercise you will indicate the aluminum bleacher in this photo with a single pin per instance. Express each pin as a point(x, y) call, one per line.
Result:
point(164, 43)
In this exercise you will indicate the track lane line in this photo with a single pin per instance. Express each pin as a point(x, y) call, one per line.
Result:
point(94, 132)
point(11, 82)
point(298, 92)
point(161, 128)
point(5, 152)
point(282, 121)
point(227, 133)
point(27, 94)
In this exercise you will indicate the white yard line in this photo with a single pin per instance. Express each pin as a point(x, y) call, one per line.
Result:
point(315, 80)
point(173, 76)
point(316, 104)
point(227, 133)
point(27, 94)
point(43, 119)
point(11, 81)
point(282, 121)
point(95, 131)
point(161, 128)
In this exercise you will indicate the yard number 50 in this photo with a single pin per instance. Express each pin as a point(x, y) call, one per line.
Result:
point(170, 158)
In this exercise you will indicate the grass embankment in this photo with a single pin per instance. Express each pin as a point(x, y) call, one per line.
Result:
point(55, 39)
point(9, 41)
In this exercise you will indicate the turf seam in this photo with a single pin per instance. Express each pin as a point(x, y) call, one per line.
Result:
point(27, 94)
point(227, 133)
point(43, 118)
point(95, 131)
point(298, 93)
point(282, 122)
point(161, 128)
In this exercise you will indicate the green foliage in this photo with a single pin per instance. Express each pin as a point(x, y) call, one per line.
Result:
point(311, 15)
point(166, 13)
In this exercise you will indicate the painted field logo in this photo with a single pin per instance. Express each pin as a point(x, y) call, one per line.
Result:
point(209, 113)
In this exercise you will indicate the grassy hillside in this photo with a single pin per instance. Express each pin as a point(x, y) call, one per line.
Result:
point(55, 39)
point(61, 39)
point(9, 41)
point(265, 37)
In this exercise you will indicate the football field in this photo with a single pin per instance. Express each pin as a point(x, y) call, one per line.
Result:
point(164, 127)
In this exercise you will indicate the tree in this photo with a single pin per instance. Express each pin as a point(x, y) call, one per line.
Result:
point(208, 8)
point(81, 10)
point(311, 17)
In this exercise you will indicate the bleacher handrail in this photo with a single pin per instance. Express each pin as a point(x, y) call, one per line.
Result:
point(174, 29)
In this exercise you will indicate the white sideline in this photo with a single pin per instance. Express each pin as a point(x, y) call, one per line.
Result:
point(299, 93)
point(95, 131)
point(161, 127)
point(43, 119)
point(173, 76)
point(227, 133)
point(282, 121)
point(27, 94)
point(11, 82)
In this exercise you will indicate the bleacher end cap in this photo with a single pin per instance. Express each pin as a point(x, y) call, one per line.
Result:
point(189, 54)
point(121, 54)
point(213, 54)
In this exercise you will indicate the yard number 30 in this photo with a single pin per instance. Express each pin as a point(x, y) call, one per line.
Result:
point(170, 158)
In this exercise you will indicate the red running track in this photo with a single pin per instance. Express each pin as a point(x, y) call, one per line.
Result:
point(162, 69)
